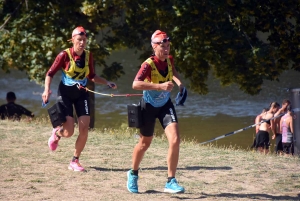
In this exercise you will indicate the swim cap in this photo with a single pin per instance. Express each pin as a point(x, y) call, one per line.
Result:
point(157, 37)
point(79, 31)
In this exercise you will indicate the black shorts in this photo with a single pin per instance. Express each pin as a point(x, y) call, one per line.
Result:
point(71, 95)
point(165, 114)
point(262, 139)
point(287, 148)
point(278, 142)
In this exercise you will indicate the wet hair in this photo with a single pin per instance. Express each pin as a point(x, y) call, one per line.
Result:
point(274, 105)
point(289, 108)
point(11, 96)
point(286, 101)
point(264, 110)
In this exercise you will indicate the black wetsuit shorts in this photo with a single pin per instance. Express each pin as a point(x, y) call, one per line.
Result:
point(165, 114)
point(288, 148)
point(71, 95)
point(262, 139)
point(278, 141)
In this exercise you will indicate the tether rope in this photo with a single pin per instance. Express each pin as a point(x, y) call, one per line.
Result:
point(103, 94)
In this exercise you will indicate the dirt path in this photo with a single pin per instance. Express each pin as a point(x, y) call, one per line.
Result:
point(29, 171)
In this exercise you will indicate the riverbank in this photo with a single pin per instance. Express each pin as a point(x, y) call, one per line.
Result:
point(204, 117)
point(29, 171)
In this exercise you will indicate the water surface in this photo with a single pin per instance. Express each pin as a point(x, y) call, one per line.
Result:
point(223, 110)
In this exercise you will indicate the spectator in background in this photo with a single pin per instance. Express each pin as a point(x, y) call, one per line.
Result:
point(257, 122)
point(262, 137)
point(286, 129)
point(278, 135)
point(13, 111)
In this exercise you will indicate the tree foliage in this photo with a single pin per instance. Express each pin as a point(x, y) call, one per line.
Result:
point(33, 37)
point(215, 36)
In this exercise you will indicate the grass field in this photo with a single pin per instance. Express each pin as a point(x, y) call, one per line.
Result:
point(29, 171)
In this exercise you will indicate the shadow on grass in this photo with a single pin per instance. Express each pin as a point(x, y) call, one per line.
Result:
point(236, 196)
point(152, 192)
point(158, 192)
point(193, 168)
point(164, 168)
point(161, 192)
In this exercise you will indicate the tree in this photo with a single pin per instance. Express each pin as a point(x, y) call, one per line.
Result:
point(207, 36)
point(33, 36)
point(221, 36)
point(33, 33)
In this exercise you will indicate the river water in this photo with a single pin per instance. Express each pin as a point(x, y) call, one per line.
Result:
point(223, 110)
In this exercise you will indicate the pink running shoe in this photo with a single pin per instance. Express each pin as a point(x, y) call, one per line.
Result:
point(75, 166)
point(53, 140)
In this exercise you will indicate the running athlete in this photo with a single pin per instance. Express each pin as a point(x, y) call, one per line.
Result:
point(155, 79)
point(13, 111)
point(76, 65)
point(286, 129)
point(262, 136)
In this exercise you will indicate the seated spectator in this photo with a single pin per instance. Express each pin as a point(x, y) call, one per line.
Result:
point(13, 111)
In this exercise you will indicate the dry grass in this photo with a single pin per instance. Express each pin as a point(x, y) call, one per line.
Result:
point(29, 171)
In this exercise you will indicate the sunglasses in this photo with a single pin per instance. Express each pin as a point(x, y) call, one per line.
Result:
point(82, 34)
point(163, 41)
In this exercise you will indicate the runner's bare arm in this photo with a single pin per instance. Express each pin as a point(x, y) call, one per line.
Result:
point(100, 80)
point(47, 91)
point(177, 80)
point(141, 85)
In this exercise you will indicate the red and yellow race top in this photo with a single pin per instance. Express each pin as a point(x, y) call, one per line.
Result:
point(68, 62)
point(156, 71)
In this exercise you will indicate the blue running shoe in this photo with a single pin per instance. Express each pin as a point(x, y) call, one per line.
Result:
point(173, 187)
point(132, 185)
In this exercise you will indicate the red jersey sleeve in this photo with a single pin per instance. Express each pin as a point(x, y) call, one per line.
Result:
point(58, 63)
point(144, 72)
point(92, 74)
